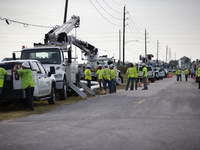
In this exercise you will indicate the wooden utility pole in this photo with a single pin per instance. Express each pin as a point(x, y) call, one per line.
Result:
point(124, 34)
point(145, 42)
point(65, 14)
point(166, 52)
point(120, 46)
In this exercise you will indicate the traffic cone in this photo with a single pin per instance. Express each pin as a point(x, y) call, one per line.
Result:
point(139, 84)
point(147, 81)
point(193, 77)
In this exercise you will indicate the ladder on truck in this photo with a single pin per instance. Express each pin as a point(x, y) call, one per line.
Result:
point(86, 88)
point(117, 79)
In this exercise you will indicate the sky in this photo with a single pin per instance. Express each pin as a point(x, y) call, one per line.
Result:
point(172, 26)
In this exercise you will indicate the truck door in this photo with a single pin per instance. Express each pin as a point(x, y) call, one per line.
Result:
point(39, 86)
point(46, 80)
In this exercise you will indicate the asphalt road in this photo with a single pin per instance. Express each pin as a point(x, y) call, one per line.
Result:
point(166, 117)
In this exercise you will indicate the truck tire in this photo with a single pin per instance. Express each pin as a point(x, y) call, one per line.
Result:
point(5, 104)
point(63, 92)
point(52, 100)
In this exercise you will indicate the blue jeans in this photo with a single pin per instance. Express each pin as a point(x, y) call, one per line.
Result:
point(145, 83)
point(179, 76)
point(136, 81)
point(88, 83)
point(199, 82)
point(127, 85)
point(109, 85)
point(113, 86)
point(186, 77)
point(29, 97)
point(0, 94)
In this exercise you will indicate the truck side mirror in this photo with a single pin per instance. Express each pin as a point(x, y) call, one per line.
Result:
point(49, 74)
point(13, 56)
point(52, 70)
point(69, 56)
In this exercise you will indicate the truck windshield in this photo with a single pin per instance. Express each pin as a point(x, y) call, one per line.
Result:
point(45, 56)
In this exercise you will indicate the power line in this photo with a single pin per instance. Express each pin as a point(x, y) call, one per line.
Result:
point(9, 21)
point(108, 12)
point(112, 8)
point(103, 15)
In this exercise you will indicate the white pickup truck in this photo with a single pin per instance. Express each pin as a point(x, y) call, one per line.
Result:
point(150, 73)
point(45, 84)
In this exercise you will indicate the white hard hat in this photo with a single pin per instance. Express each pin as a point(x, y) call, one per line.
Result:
point(88, 65)
point(143, 64)
point(111, 65)
point(105, 65)
point(26, 64)
point(100, 65)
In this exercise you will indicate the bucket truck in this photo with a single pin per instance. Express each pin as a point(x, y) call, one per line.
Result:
point(56, 56)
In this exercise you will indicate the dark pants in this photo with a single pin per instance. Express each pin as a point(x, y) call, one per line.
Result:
point(127, 85)
point(136, 81)
point(88, 83)
point(0, 94)
point(113, 86)
point(179, 76)
point(186, 77)
point(145, 83)
point(29, 98)
point(199, 82)
point(109, 85)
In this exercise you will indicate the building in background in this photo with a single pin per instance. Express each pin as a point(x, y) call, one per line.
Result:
point(184, 62)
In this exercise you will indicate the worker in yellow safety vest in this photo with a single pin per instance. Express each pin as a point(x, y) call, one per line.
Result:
point(136, 76)
point(130, 72)
point(198, 71)
point(179, 71)
point(3, 73)
point(186, 72)
point(144, 74)
point(100, 77)
point(106, 77)
point(88, 77)
point(113, 74)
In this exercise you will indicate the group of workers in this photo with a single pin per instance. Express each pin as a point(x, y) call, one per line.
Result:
point(104, 76)
point(132, 73)
point(107, 76)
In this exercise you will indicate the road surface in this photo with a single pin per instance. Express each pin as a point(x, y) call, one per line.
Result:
point(166, 117)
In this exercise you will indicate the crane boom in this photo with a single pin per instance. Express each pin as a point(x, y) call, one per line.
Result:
point(59, 33)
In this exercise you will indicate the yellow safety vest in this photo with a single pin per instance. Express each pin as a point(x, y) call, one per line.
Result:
point(88, 74)
point(3, 72)
point(186, 71)
point(106, 74)
point(136, 72)
point(144, 70)
point(198, 72)
point(113, 73)
point(130, 71)
point(179, 72)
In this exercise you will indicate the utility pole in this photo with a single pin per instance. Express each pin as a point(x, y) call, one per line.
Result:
point(120, 46)
point(124, 34)
point(166, 52)
point(65, 15)
point(145, 42)
point(157, 51)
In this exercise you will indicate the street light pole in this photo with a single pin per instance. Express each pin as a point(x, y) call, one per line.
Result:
point(124, 35)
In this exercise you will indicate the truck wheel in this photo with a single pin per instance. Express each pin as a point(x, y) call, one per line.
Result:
point(52, 100)
point(63, 92)
point(5, 104)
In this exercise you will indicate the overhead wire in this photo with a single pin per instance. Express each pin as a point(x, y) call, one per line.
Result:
point(9, 21)
point(112, 8)
point(103, 15)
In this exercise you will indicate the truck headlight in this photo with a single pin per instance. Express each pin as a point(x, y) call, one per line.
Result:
point(58, 75)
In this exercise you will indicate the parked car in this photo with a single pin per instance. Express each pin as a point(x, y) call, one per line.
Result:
point(45, 85)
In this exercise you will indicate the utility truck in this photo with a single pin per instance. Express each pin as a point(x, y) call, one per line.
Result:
point(45, 84)
point(56, 56)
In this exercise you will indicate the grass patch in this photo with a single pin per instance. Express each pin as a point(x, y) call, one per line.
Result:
point(17, 111)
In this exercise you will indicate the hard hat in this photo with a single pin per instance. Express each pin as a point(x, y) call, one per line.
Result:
point(111, 65)
point(100, 65)
point(26, 64)
point(105, 65)
point(88, 66)
point(143, 64)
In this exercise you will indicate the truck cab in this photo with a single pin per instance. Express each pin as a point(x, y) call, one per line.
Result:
point(150, 73)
